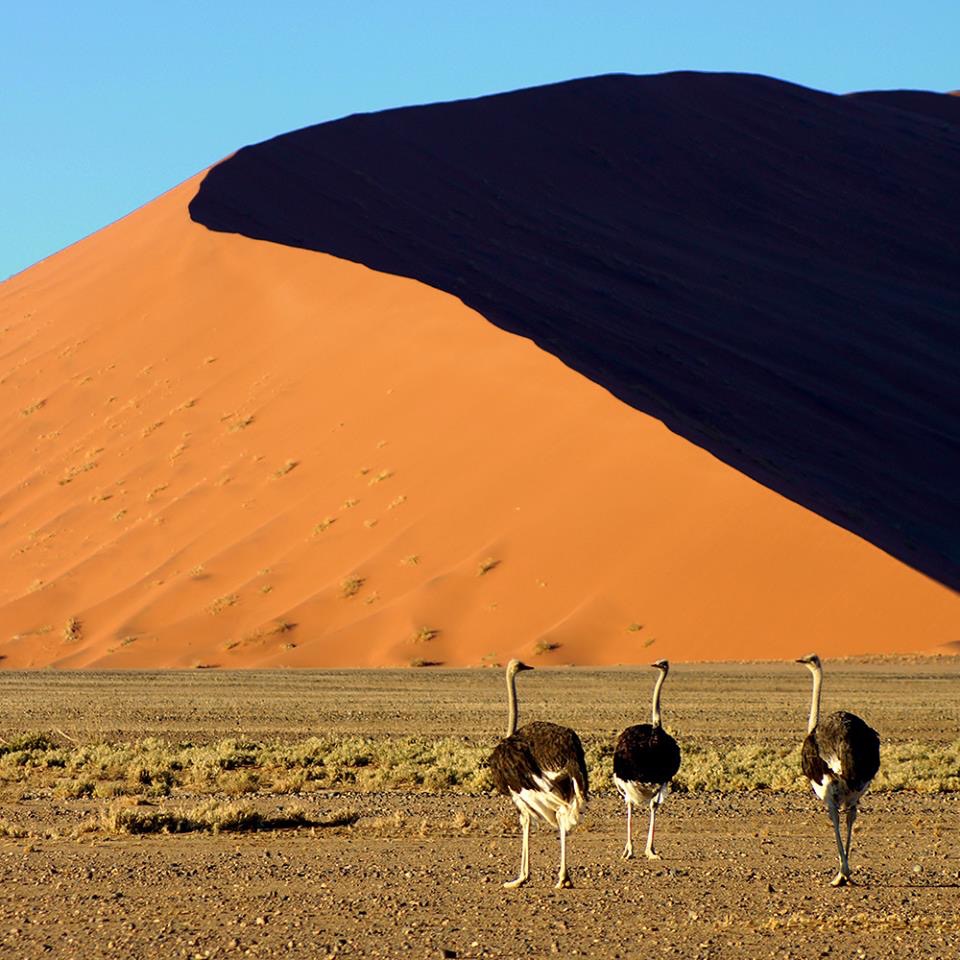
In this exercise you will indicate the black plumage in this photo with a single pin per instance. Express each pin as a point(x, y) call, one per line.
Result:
point(646, 754)
point(854, 745)
point(521, 761)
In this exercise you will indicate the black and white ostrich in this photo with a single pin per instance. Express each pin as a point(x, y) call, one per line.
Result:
point(646, 759)
point(841, 755)
point(542, 768)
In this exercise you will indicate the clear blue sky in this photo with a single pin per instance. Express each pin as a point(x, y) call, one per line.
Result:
point(104, 105)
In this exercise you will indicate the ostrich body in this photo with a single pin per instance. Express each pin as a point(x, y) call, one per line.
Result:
point(841, 755)
point(646, 759)
point(541, 767)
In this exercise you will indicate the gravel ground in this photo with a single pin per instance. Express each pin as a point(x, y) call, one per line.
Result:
point(743, 875)
point(733, 702)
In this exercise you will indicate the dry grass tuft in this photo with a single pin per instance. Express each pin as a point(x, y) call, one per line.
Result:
point(485, 566)
point(222, 603)
point(380, 477)
point(75, 471)
point(211, 816)
point(243, 423)
point(155, 492)
point(286, 468)
point(33, 407)
point(73, 630)
point(275, 629)
point(545, 646)
point(351, 586)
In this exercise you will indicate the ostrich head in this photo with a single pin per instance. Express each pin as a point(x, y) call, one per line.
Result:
point(811, 661)
point(515, 666)
point(663, 665)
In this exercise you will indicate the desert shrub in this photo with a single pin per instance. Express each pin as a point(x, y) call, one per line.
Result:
point(154, 767)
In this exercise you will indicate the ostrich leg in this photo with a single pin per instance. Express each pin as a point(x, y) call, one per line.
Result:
point(524, 854)
point(628, 849)
point(851, 816)
point(563, 880)
point(650, 853)
point(843, 877)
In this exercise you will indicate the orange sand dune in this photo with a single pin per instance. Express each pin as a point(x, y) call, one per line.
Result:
point(226, 452)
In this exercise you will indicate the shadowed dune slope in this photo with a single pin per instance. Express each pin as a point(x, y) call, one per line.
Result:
point(224, 452)
point(771, 271)
point(939, 106)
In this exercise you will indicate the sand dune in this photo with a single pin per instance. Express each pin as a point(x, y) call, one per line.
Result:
point(771, 271)
point(228, 452)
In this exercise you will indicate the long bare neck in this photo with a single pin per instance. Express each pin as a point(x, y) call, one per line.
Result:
point(655, 711)
point(511, 704)
point(815, 700)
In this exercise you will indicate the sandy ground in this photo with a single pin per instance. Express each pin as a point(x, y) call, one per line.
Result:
point(230, 453)
point(744, 874)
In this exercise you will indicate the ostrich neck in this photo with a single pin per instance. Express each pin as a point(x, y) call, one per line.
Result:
point(511, 705)
point(655, 712)
point(815, 701)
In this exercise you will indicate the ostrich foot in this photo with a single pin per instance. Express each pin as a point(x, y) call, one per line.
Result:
point(564, 881)
point(841, 880)
point(652, 855)
point(627, 853)
point(513, 884)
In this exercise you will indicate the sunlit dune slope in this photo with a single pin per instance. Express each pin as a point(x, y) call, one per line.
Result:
point(220, 451)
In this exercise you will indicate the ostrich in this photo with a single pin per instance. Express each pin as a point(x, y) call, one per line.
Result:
point(542, 768)
point(647, 758)
point(840, 757)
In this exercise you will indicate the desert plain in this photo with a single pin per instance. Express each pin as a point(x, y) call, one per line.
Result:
point(348, 813)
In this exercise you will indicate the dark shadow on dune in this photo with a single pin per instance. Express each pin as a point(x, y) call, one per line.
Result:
point(772, 271)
